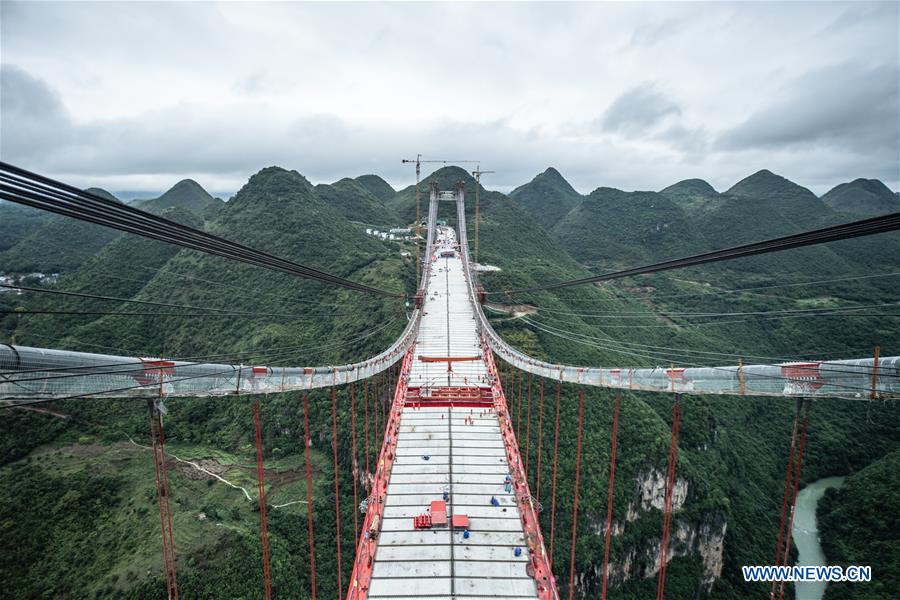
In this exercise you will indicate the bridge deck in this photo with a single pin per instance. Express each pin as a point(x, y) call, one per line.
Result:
point(447, 328)
point(455, 448)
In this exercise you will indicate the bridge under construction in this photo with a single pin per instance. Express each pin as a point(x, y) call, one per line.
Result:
point(448, 512)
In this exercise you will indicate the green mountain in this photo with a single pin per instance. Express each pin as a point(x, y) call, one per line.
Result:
point(855, 532)
point(289, 321)
point(90, 487)
point(102, 193)
point(547, 198)
point(187, 194)
point(17, 222)
point(732, 451)
point(611, 228)
point(52, 243)
point(766, 205)
point(46, 243)
point(355, 202)
point(863, 197)
point(377, 186)
point(692, 195)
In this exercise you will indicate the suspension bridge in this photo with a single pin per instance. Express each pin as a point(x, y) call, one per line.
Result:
point(448, 512)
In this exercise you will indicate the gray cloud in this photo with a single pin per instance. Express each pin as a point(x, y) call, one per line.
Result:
point(139, 95)
point(848, 105)
point(638, 110)
point(32, 113)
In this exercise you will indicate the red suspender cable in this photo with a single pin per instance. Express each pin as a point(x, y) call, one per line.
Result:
point(385, 382)
point(165, 482)
point(515, 398)
point(609, 498)
point(366, 402)
point(309, 504)
point(376, 405)
point(540, 440)
point(159, 499)
point(575, 495)
point(504, 377)
point(261, 482)
point(528, 427)
point(519, 407)
point(790, 526)
point(787, 489)
point(354, 465)
point(670, 489)
point(337, 495)
point(555, 461)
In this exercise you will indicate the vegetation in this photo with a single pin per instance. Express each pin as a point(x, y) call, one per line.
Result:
point(733, 451)
point(858, 524)
point(377, 186)
point(186, 194)
point(547, 198)
point(91, 530)
point(355, 202)
point(865, 197)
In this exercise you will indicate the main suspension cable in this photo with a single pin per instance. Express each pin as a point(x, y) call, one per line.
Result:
point(863, 227)
point(24, 187)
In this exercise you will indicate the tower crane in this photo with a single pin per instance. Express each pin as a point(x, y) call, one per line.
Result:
point(418, 162)
point(477, 173)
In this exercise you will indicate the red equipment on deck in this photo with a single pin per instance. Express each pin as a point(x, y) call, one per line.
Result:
point(460, 397)
point(449, 360)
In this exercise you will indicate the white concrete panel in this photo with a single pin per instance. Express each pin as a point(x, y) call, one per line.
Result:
point(409, 435)
point(495, 587)
point(419, 501)
point(479, 451)
point(463, 477)
point(477, 523)
point(487, 553)
point(416, 459)
point(435, 489)
point(422, 452)
point(397, 478)
point(421, 537)
point(483, 500)
point(491, 470)
point(479, 488)
point(490, 538)
point(423, 467)
point(425, 553)
point(411, 587)
point(490, 569)
point(478, 460)
point(463, 443)
point(406, 569)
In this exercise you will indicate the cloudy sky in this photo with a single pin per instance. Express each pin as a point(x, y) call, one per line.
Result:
point(134, 96)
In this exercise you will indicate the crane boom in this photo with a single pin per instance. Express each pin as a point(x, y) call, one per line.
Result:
point(418, 162)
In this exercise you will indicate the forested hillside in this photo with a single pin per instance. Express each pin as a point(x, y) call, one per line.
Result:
point(91, 529)
point(548, 197)
point(859, 524)
point(733, 450)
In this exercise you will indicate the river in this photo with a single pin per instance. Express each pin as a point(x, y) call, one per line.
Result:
point(806, 535)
